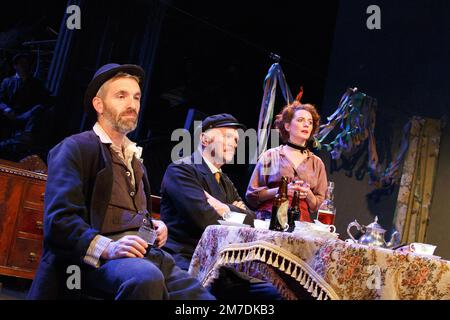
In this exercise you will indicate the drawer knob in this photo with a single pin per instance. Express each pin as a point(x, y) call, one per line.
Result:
point(32, 257)
point(39, 225)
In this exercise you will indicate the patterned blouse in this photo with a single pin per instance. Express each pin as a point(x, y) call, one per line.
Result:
point(272, 165)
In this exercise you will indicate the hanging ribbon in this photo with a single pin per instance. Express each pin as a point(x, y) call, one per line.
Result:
point(274, 76)
point(356, 117)
point(392, 173)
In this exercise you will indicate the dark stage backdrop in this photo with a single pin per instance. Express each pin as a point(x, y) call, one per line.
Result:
point(404, 65)
point(204, 55)
point(213, 57)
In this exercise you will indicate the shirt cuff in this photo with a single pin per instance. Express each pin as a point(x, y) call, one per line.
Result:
point(95, 250)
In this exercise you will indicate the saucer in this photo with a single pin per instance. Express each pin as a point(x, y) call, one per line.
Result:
point(424, 255)
point(232, 223)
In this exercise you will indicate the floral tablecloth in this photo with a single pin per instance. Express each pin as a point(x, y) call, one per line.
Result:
point(360, 272)
point(325, 266)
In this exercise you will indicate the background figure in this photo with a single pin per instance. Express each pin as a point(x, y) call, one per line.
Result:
point(23, 103)
point(305, 171)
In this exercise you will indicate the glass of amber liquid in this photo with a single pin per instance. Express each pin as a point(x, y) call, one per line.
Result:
point(327, 210)
point(326, 216)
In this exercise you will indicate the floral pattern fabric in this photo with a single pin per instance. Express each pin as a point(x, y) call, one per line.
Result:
point(353, 271)
point(360, 272)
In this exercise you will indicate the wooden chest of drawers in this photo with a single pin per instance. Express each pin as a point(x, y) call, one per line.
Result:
point(21, 219)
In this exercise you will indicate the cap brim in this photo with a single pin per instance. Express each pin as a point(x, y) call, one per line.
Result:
point(98, 81)
point(230, 125)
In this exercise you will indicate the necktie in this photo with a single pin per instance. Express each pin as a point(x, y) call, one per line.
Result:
point(217, 176)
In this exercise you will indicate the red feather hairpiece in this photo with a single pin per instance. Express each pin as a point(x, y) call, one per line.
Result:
point(299, 95)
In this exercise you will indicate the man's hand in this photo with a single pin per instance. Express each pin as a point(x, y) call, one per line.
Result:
point(220, 207)
point(240, 205)
point(125, 247)
point(161, 231)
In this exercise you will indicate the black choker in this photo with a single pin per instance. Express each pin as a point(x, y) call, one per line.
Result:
point(301, 148)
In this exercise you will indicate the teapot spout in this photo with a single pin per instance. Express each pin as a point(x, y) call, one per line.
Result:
point(395, 240)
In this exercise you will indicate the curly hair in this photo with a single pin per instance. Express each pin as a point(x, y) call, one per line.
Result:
point(287, 114)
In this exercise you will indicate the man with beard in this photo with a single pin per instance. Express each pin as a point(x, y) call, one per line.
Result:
point(97, 204)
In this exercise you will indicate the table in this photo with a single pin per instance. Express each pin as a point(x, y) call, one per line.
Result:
point(328, 268)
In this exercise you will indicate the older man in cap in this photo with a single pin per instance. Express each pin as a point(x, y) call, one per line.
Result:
point(196, 193)
point(97, 204)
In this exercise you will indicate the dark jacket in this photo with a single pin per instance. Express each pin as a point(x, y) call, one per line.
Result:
point(185, 210)
point(78, 190)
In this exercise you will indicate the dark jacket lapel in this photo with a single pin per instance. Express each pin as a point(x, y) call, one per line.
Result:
point(212, 187)
point(101, 193)
point(138, 169)
point(147, 190)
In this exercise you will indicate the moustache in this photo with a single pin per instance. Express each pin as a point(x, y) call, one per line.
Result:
point(128, 113)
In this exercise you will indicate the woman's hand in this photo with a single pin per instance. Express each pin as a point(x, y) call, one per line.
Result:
point(301, 187)
point(292, 187)
point(305, 191)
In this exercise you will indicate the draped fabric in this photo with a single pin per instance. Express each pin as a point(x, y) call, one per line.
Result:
point(355, 118)
point(61, 55)
point(417, 182)
point(282, 258)
point(258, 256)
point(274, 76)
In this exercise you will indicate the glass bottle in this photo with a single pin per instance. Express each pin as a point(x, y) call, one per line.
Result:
point(279, 218)
point(327, 210)
point(294, 211)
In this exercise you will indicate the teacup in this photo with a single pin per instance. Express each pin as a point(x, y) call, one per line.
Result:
point(303, 225)
point(326, 228)
point(323, 227)
point(422, 248)
point(235, 217)
point(318, 226)
point(261, 224)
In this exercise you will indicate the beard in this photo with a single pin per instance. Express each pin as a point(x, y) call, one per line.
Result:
point(119, 122)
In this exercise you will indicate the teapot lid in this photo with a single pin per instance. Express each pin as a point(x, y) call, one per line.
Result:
point(375, 226)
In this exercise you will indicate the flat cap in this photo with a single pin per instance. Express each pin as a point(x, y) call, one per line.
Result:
point(105, 73)
point(220, 121)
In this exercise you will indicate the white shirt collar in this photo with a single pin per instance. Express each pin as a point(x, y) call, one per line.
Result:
point(104, 138)
point(128, 144)
point(211, 167)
